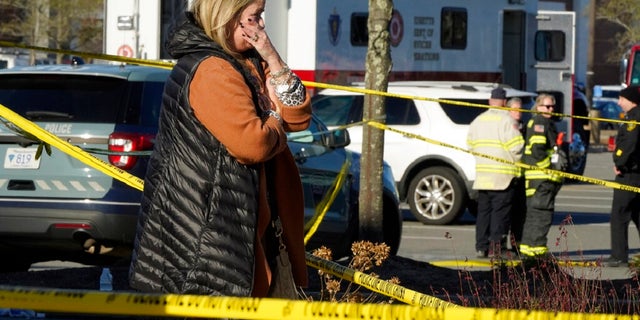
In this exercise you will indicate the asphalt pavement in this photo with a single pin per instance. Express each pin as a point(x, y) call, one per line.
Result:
point(579, 236)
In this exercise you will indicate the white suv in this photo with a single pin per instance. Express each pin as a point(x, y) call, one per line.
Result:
point(435, 181)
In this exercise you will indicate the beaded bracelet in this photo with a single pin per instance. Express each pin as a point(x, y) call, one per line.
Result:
point(282, 72)
point(281, 79)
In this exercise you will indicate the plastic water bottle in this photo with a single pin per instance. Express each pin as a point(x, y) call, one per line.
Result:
point(106, 280)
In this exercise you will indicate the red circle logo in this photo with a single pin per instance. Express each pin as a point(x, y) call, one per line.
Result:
point(125, 51)
point(396, 28)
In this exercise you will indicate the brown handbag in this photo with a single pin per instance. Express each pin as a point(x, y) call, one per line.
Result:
point(282, 283)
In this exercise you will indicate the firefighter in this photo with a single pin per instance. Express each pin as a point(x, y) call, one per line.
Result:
point(626, 159)
point(541, 187)
point(519, 210)
point(495, 133)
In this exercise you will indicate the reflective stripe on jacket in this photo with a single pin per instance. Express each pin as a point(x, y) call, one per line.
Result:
point(540, 138)
point(495, 133)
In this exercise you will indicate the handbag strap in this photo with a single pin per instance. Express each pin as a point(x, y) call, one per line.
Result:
point(277, 227)
point(276, 224)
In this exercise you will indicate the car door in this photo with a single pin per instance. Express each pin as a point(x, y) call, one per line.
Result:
point(320, 164)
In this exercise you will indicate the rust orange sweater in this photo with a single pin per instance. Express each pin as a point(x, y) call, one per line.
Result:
point(222, 101)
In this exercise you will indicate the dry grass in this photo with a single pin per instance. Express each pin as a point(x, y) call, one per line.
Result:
point(543, 283)
point(365, 256)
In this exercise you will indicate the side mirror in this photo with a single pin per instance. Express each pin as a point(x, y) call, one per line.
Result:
point(339, 138)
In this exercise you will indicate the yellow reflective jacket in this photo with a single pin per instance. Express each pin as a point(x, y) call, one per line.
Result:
point(495, 133)
point(541, 137)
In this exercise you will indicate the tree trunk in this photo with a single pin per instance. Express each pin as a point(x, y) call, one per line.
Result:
point(378, 65)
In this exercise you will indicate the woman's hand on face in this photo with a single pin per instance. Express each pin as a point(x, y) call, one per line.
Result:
point(257, 37)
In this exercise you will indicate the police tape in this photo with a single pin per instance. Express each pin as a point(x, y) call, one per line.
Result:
point(76, 152)
point(312, 225)
point(100, 56)
point(339, 271)
point(567, 175)
point(137, 183)
point(131, 180)
point(200, 306)
point(196, 306)
point(378, 285)
point(169, 65)
point(369, 282)
point(510, 262)
point(458, 103)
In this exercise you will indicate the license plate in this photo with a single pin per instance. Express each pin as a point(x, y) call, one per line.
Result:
point(21, 158)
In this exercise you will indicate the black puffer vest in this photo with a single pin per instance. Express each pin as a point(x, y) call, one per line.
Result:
point(197, 225)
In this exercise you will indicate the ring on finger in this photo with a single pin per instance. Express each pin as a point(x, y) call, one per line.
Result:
point(255, 37)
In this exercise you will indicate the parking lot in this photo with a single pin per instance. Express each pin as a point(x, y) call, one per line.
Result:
point(585, 237)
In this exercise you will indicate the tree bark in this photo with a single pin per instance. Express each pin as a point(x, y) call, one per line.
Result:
point(378, 66)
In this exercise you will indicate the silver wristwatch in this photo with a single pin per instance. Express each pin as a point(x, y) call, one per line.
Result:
point(285, 88)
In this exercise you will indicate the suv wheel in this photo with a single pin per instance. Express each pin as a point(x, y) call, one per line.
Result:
point(436, 196)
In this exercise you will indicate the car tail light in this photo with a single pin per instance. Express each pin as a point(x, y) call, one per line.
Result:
point(128, 142)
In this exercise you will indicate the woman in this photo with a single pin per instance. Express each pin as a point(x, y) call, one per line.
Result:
point(541, 187)
point(226, 107)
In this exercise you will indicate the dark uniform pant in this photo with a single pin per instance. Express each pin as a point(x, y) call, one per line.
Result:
point(625, 208)
point(540, 207)
point(518, 211)
point(493, 219)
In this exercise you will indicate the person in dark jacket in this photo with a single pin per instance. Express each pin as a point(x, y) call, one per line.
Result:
point(626, 159)
point(221, 166)
point(519, 209)
point(541, 187)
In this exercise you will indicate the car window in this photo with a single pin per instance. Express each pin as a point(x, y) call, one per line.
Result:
point(462, 114)
point(143, 106)
point(334, 110)
point(341, 110)
point(63, 98)
point(401, 111)
point(614, 94)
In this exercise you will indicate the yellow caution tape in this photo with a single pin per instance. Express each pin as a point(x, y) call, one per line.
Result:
point(359, 278)
point(453, 102)
point(321, 209)
point(362, 279)
point(605, 183)
point(97, 302)
point(70, 149)
point(169, 65)
point(127, 304)
point(184, 305)
point(102, 56)
point(491, 263)
point(377, 285)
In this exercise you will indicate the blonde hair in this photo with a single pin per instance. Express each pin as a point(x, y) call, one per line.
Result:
point(543, 96)
point(219, 18)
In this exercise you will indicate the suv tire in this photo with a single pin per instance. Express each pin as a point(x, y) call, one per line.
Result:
point(436, 196)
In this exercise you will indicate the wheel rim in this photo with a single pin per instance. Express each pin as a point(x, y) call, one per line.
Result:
point(434, 197)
